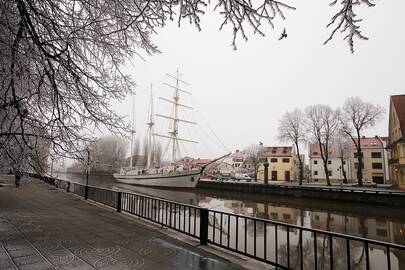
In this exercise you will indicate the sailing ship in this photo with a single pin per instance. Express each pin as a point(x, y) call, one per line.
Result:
point(171, 176)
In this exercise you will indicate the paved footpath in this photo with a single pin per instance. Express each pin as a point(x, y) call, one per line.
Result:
point(43, 228)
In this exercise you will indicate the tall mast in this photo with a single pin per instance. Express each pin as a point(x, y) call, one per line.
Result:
point(175, 118)
point(173, 133)
point(132, 130)
point(150, 131)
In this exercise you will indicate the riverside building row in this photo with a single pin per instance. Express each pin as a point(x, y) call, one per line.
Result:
point(343, 163)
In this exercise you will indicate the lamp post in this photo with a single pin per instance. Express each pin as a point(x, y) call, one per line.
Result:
point(86, 190)
point(51, 166)
point(266, 172)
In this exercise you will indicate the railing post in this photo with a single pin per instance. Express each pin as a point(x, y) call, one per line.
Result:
point(86, 192)
point(203, 226)
point(119, 197)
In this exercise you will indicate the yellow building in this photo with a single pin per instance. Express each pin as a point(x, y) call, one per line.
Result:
point(396, 140)
point(282, 164)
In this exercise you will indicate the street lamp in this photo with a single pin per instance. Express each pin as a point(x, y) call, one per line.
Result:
point(266, 172)
point(51, 166)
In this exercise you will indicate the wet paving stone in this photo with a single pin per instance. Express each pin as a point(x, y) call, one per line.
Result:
point(44, 228)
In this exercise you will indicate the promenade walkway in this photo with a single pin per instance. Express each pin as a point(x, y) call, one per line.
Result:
point(43, 228)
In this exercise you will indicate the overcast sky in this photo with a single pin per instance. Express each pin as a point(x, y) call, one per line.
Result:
point(242, 94)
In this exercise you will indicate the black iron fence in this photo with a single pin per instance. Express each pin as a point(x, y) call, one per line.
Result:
point(285, 246)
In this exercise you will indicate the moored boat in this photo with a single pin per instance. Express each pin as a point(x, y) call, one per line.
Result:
point(154, 174)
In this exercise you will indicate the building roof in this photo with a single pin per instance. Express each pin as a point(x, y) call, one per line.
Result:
point(365, 142)
point(238, 154)
point(369, 143)
point(315, 152)
point(399, 104)
point(279, 151)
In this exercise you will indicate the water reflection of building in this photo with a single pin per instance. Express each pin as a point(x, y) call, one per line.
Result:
point(374, 228)
point(277, 213)
point(239, 207)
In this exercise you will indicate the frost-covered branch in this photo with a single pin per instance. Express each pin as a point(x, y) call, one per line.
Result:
point(346, 21)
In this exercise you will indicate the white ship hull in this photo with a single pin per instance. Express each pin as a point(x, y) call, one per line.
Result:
point(170, 180)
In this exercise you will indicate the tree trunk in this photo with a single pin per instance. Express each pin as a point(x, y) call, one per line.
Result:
point(360, 167)
point(324, 157)
point(256, 169)
point(325, 168)
point(359, 160)
point(301, 175)
point(343, 170)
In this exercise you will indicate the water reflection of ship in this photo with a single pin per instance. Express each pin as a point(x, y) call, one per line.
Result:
point(172, 195)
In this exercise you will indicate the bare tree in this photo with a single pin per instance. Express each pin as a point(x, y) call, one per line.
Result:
point(357, 116)
point(323, 123)
point(108, 154)
point(343, 151)
point(255, 153)
point(292, 129)
point(136, 151)
point(157, 153)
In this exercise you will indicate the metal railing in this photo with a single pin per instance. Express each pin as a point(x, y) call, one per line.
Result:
point(288, 246)
point(282, 245)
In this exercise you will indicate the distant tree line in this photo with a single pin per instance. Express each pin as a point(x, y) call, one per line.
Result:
point(109, 153)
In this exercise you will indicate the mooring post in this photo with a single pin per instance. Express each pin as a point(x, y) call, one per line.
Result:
point(119, 198)
point(203, 226)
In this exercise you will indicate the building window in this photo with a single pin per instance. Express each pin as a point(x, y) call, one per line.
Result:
point(356, 165)
point(376, 165)
point(286, 216)
point(315, 162)
point(375, 154)
point(273, 160)
point(344, 162)
point(274, 215)
point(378, 179)
point(382, 232)
point(315, 172)
point(315, 153)
point(286, 160)
point(330, 173)
point(329, 162)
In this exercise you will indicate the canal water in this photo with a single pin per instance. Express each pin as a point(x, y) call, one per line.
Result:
point(380, 223)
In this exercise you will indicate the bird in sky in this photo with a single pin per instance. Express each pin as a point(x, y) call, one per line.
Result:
point(283, 35)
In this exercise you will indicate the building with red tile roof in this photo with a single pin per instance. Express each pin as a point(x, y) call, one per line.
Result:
point(282, 164)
